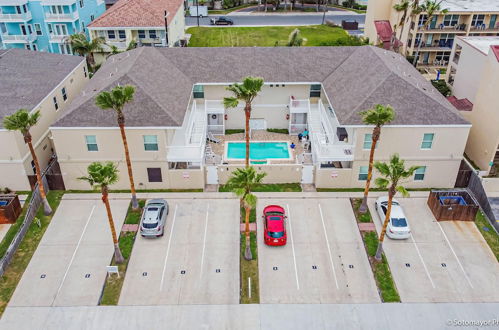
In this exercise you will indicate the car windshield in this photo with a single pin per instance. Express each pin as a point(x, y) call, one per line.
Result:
point(278, 234)
point(149, 225)
point(275, 218)
point(152, 208)
point(399, 222)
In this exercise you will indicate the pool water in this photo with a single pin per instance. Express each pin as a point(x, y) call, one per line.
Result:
point(258, 150)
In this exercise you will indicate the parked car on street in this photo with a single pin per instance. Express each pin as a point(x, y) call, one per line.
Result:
point(274, 225)
point(221, 21)
point(398, 226)
point(153, 219)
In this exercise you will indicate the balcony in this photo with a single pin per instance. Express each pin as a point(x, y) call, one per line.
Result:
point(58, 38)
point(120, 45)
point(7, 18)
point(18, 38)
point(14, 2)
point(457, 28)
point(57, 2)
point(67, 17)
point(484, 28)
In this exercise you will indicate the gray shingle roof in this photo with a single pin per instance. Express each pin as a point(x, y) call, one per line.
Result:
point(355, 79)
point(27, 77)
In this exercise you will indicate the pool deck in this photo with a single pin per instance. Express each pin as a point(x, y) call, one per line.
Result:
point(218, 148)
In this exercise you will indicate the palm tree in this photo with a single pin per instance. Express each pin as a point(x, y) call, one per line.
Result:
point(431, 8)
point(245, 92)
point(242, 183)
point(83, 47)
point(116, 99)
point(102, 175)
point(402, 7)
point(392, 173)
point(22, 121)
point(378, 116)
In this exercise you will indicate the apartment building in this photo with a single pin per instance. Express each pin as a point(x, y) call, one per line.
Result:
point(44, 25)
point(34, 81)
point(464, 18)
point(319, 89)
point(142, 22)
point(474, 80)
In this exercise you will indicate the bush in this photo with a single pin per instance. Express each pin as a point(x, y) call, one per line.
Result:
point(442, 87)
point(346, 41)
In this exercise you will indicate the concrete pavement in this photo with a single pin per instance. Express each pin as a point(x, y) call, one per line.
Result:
point(265, 316)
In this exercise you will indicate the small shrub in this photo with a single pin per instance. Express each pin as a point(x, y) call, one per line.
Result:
point(278, 130)
point(442, 87)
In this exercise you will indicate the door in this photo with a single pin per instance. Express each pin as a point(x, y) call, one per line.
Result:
point(61, 29)
point(23, 29)
point(492, 23)
point(211, 175)
point(307, 174)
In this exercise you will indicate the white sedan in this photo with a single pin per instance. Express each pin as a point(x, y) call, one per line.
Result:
point(398, 227)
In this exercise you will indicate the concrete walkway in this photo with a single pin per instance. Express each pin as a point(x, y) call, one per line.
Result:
point(292, 316)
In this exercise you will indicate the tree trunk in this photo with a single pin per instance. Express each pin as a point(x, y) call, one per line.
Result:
point(247, 250)
point(379, 251)
point(47, 210)
point(135, 204)
point(118, 257)
point(376, 133)
point(247, 113)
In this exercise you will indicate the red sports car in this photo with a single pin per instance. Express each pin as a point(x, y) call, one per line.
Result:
point(275, 227)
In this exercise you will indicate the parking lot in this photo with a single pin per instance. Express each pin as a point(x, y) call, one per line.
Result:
point(324, 260)
point(443, 261)
point(69, 265)
point(195, 262)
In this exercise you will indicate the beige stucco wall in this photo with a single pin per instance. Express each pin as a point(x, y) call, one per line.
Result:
point(376, 10)
point(74, 158)
point(275, 174)
point(484, 136)
point(176, 28)
point(15, 153)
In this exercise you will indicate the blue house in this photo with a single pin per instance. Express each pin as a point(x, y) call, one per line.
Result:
point(44, 25)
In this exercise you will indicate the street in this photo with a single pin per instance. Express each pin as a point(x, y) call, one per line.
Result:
point(280, 19)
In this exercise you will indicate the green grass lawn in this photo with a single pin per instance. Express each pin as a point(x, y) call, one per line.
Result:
point(249, 269)
point(22, 257)
point(273, 187)
point(267, 36)
point(488, 233)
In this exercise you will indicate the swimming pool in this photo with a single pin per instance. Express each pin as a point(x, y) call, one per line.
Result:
point(258, 150)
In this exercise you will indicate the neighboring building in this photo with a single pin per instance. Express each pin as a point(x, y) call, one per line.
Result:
point(464, 18)
point(34, 81)
point(474, 79)
point(44, 25)
point(178, 101)
point(140, 21)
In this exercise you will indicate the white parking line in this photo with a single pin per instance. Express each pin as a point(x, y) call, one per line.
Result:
point(455, 255)
point(168, 249)
point(204, 240)
point(328, 247)
point(293, 247)
point(74, 254)
point(424, 264)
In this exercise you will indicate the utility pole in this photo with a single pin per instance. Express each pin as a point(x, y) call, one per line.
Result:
point(166, 29)
point(197, 11)
point(324, 15)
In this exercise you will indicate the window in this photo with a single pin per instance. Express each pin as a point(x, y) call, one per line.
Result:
point(122, 34)
point(91, 142)
point(64, 94)
point(152, 34)
point(419, 173)
point(38, 29)
point(65, 48)
point(451, 20)
point(28, 47)
point(477, 20)
point(56, 106)
point(150, 142)
point(154, 174)
point(92, 17)
point(422, 20)
point(368, 141)
point(142, 34)
point(427, 141)
point(198, 92)
point(34, 47)
point(81, 4)
point(111, 34)
point(85, 71)
point(30, 29)
point(315, 90)
point(363, 173)
point(83, 26)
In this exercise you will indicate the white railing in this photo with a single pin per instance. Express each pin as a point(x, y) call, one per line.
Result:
point(6, 38)
point(59, 38)
point(299, 106)
point(62, 17)
point(57, 2)
point(214, 106)
point(190, 122)
point(216, 129)
point(121, 45)
point(15, 17)
point(297, 128)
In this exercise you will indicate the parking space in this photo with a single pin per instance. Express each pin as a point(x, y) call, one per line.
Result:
point(195, 262)
point(442, 261)
point(324, 260)
point(69, 265)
